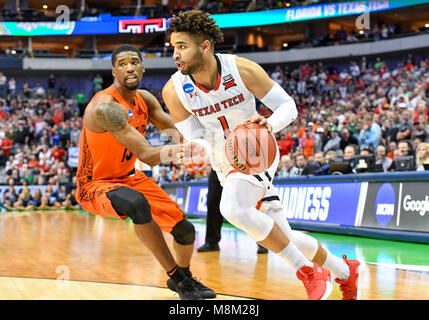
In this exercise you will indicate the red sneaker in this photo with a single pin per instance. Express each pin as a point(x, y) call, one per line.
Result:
point(349, 287)
point(317, 281)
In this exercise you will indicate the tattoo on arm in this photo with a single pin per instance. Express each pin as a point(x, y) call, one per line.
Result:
point(112, 116)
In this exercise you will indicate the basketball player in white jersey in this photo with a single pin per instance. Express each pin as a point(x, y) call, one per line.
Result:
point(209, 96)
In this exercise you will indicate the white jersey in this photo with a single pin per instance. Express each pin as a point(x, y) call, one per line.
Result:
point(219, 110)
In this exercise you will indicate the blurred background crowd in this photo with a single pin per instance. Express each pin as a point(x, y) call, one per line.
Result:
point(358, 114)
point(346, 110)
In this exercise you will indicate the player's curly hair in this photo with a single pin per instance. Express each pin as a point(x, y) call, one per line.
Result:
point(197, 23)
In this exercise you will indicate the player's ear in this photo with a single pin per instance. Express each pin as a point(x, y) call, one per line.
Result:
point(113, 72)
point(206, 45)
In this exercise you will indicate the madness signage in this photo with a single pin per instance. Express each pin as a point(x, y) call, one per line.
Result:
point(319, 203)
point(381, 205)
point(332, 203)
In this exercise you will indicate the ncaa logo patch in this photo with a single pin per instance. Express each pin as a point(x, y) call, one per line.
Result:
point(385, 202)
point(188, 88)
point(130, 113)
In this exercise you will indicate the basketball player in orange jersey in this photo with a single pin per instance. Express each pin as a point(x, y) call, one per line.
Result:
point(112, 138)
point(209, 96)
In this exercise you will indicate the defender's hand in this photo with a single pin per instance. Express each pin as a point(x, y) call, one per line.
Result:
point(191, 152)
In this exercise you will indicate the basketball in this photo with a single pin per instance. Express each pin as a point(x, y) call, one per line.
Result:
point(250, 148)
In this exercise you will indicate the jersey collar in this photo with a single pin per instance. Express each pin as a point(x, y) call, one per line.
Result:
point(219, 71)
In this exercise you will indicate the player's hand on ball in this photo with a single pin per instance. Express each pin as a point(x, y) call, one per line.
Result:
point(260, 120)
point(191, 152)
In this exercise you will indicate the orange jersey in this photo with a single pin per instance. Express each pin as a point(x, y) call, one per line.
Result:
point(307, 147)
point(101, 156)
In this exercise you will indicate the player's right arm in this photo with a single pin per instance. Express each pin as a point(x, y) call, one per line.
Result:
point(187, 123)
point(175, 107)
point(269, 93)
point(105, 114)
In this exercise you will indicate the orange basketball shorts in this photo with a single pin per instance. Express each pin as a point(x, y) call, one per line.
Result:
point(164, 210)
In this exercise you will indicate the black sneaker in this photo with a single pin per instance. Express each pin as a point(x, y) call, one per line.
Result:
point(204, 291)
point(207, 247)
point(187, 289)
point(261, 249)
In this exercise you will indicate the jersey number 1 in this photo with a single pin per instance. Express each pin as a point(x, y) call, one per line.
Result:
point(225, 126)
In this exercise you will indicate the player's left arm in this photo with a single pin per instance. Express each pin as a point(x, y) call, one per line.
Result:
point(270, 93)
point(159, 117)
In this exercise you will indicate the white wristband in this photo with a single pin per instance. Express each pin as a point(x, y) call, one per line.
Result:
point(205, 144)
point(283, 116)
point(191, 130)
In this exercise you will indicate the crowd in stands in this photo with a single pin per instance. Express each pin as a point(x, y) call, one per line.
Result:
point(39, 137)
point(375, 108)
point(377, 32)
point(52, 197)
point(361, 109)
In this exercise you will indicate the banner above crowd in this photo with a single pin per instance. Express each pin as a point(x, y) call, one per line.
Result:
point(141, 25)
point(315, 12)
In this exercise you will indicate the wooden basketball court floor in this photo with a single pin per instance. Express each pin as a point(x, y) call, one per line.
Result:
point(74, 255)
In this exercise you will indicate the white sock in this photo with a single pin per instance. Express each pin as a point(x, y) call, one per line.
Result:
point(294, 257)
point(338, 266)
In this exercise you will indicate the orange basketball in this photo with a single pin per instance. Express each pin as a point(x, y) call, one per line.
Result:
point(250, 148)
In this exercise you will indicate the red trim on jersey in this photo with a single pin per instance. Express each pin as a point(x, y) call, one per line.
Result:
point(204, 89)
point(217, 82)
point(232, 171)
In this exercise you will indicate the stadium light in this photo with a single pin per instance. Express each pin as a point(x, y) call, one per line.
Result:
point(66, 47)
point(427, 25)
point(45, 6)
